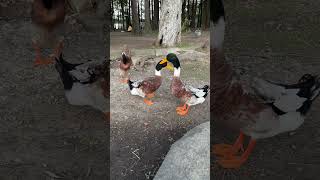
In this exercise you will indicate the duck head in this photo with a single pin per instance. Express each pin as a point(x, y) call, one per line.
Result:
point(172, 58)
point(162, 64)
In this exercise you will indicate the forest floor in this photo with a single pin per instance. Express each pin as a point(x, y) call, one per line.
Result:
point(41, 135)
point(279, 41)
point(142, 135)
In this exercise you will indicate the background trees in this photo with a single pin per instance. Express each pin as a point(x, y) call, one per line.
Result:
point(144, 15)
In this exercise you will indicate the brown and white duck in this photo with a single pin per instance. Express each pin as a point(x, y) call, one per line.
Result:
point(273, 109)
point(85, 84)
point(189, 96)
point(146, 88)
point(47, 18)
point(125, 64)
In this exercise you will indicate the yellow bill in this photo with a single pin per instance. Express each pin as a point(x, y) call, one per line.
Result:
point(163, 61)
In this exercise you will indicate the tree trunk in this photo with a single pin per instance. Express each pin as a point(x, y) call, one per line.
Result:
point(129, 13)
point(112, 14)
point(135, 16)
point(205, 15)
point(122, 14)
point(194, 14)
point(200, 14)
point(156, 14)
point(189, 10)
point(170, 23)
point(183, 17)
point(147, 22)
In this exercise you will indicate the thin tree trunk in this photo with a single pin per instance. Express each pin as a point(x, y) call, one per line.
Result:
point(112, 15)
point(139, 16)
point(147, 25)
point(189, 10)
point(135, 16)
point(170, 23)
point(200, 14)
point(205, 15)
point(129, 13)
point(122, 14)
point(183, 17)
point(194, 14)
point(156, 14)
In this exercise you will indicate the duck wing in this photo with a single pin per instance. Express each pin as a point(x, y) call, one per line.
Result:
point(287, 97)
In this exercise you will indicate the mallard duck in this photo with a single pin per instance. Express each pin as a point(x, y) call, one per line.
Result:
point(125, 64)
point(146, 88)
point(190, 96)
point(84, 83)
point(273, 108)
point(47, 17)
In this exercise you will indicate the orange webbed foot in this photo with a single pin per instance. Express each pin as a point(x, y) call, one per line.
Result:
point(123, 81)
point(225, 150)
point(181, 108)
point(183, 112)
point(147, 102)
point(232, 162)
point(42, 61)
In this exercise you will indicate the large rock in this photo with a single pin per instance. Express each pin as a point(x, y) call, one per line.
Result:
point(189, 157)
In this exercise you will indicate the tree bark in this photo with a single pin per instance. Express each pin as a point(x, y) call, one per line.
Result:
point(205, 15)
point(147, 25)
point(123, 15)
point(194, 14)
point(156, 14)
point(183, 17)
point(135, 16)
point(200, 14)
point(170, 23)
point(129, 13)
point(112, 14)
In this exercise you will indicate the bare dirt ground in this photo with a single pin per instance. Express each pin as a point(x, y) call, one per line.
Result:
point(41, 135)
point(279, 41)
point(141, 135)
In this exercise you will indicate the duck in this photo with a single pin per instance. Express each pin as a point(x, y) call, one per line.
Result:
point(189, 95)
point(270, 109)
point(146, 88)
point(84, 83)
point(125, 64)
point(47, 19)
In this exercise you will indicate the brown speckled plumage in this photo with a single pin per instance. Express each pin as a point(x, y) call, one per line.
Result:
point(230, 105)
point(48, 18)
point(125, 62)
point(178, 89)
point(151, 84)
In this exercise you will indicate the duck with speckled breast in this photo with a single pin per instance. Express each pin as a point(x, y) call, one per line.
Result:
point(273, 108)
point(190, 96)
point(146, 88)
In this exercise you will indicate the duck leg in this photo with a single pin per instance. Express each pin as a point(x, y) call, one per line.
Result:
point(236, 161)
point(124, 77)
point(182, 111)
point(39, 60)
point(147, 99)
point(227, 149)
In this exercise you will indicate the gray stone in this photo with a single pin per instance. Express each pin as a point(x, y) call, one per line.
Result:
point(189, 157)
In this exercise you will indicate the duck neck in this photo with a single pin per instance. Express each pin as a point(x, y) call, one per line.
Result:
point(176, 72)
point(157, 73)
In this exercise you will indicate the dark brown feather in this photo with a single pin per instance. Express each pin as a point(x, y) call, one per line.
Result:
point(151, 84)
point(48, 18)
point(178, 89)
point(230, 105)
